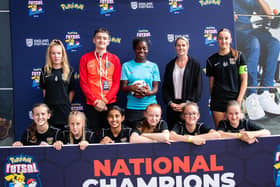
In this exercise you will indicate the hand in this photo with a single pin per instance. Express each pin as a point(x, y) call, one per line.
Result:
point(83, 145)
point(174, 106)
point(17, 144)
point(106, 140)
point(180, 107)
point(43, 143)
point(58, 145)
point(100, 105)
point(198, 140)
point(246, 137)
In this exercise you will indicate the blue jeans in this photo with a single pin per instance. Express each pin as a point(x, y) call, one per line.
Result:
point(259, 48)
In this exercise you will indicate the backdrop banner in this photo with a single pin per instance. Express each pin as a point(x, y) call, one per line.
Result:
point(34, 23)
point(218, 163)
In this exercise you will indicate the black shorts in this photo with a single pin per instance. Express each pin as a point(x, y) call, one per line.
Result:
point(220, 105)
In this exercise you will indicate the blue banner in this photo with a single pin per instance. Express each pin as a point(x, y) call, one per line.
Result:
point(34, 23)
point(217, 163)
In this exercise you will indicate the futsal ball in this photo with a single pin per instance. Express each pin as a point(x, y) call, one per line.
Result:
point(141, 84)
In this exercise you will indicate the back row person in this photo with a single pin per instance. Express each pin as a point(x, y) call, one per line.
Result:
point(99, 79)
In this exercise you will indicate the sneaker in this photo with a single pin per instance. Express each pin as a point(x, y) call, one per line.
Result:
point(268, 104)
point(253, 107)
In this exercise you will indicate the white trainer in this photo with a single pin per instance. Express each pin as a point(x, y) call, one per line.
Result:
point(253, 107)
point(268, 104)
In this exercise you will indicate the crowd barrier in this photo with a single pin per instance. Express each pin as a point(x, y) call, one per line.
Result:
point(217, 163)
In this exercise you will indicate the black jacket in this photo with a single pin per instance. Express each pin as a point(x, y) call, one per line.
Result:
point(192, 81)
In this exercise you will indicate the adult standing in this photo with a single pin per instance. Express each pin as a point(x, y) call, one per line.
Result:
point(182, 82)
point(227, 72)
point(99, 79)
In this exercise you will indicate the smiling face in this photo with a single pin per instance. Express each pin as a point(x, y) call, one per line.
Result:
point(56, 55)
point(153, 115)
point(224, 40)
point(234, 115)
point(182, 47)
point(40, 116)
point(141, 51)
point(101, 41)
point(191, 115)
point(115, 118)
point(76, 125)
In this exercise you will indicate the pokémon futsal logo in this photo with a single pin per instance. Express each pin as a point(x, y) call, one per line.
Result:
point(276, 166)
point(107, 7)
point(210, 35)
point(72, 40)
point(35, 8)
point(21, 171)
point(35, 77)
point(175, 6)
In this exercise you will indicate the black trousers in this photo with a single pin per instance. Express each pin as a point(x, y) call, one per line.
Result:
point(96, 120)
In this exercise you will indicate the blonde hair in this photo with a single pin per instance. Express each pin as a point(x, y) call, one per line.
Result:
point(65, 63)
point(81, 115)
point(190, 103)
point(182, 38)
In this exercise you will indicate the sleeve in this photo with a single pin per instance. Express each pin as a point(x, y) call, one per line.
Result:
point(24, 138)
point(71, 82)
point(209, 68)
point(203, 129)
point(222, 126)
point(163, 126)
point(116, 80)
point(199, 83)
point(242, 64)
point(42, 81)
point(177, 128)
point(156, 75)
point(99, 135)
point(166, 87)
point(61, 137)
point(83, 80)
point(123, 72)
point(90, 137)
point(252, 126)
point(136, 130)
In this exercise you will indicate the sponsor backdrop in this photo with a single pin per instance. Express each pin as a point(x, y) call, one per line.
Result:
point(34, 23)
point(218, 163)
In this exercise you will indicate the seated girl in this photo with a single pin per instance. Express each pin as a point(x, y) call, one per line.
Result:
point(117, 133)
point(40, 132)
point(190, 130)
point(77, 133)
point(237, 127)
point(152, 128)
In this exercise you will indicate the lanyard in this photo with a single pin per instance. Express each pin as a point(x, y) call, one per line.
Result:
point(102, 71)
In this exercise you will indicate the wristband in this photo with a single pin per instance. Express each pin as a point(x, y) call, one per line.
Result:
point(239, 135)
point(189, 140)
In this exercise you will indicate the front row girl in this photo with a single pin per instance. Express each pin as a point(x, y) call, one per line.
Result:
point(77, 133)
point(152, 128)
point(40, 132)
point(237, 127)
point(191, 131)
point(117, 132)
